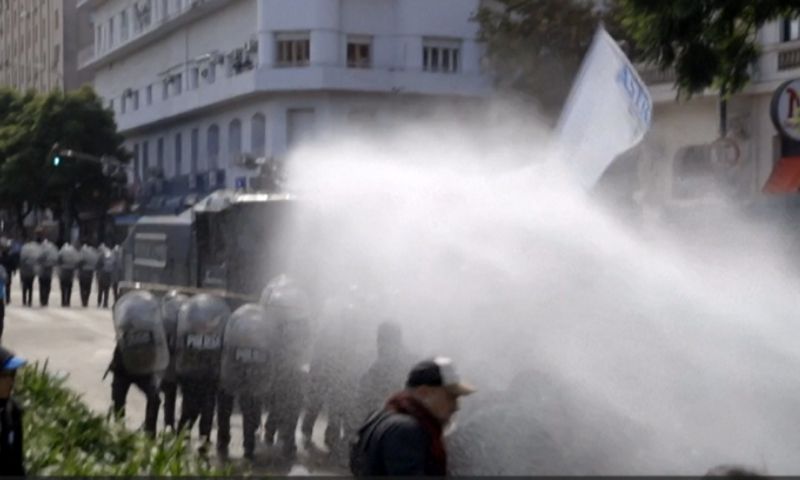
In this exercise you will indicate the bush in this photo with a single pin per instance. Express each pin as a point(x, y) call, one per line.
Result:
point(64, 437)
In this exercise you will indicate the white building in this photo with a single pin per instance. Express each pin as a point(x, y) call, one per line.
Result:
point(197, 85)
point(676, 172)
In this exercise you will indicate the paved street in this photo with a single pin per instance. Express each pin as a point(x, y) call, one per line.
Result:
point(79, 342)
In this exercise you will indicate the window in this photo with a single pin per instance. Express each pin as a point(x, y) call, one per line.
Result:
point(177, 83)
point(790, 30)
point(150, 250)
point(135, 97)
point(258, 134)
point(441, 55)
point(123, 103)
point(209, 72)
point(359, 51)
point(165, 89)
point(111, 104)
point(149, 94)
point(178, 154)
point(292, 49)
point(145, 160)
point(111, 31)
point(160, 153)
point(124, 27)
point(194, 78)
point(164, 9)
point(299, 126)
point(234, 138)
point(212, 147)
point(194, 151)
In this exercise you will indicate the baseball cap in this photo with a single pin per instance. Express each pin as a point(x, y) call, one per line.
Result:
point(9, 361)
point(438, 372)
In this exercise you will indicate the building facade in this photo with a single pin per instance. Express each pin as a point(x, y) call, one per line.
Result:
point(201, 86)
point(40, 42)
point(679, 169)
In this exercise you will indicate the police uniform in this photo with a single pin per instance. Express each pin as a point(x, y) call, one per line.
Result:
point(246, 373)
point(88, 263)
point(141, 354)
point(201, 323)
point(68, 261)
point(47, 261)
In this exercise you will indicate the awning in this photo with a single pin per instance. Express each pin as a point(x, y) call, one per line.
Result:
point(785, 177)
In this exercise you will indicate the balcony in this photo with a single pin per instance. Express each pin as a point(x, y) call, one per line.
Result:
point(155, 30)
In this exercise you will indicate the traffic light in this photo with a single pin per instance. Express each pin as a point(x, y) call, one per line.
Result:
point(56, 160)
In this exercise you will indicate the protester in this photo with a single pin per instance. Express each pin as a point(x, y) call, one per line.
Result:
point(406, 437)
point(386, 373)
point(11, 453)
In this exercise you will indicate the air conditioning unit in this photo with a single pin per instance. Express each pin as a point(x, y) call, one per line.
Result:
point(251, 46)
point(128, 92)
point(219, 58)
point(204, 72)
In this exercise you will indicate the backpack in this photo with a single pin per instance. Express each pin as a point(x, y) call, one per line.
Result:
point(359, 456)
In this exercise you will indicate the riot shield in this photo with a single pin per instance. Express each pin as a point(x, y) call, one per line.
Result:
point(247, 364)
point(170, 306)
point(140, 333)
point(201, 324)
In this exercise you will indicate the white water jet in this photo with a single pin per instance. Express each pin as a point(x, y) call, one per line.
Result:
point(506, 267)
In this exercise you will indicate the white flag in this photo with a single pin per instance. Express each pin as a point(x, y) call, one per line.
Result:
point(608, 111)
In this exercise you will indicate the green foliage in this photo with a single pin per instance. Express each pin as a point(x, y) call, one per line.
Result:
point(29, 126)
point(64, 437)
point(535, 47)
point(709, 43)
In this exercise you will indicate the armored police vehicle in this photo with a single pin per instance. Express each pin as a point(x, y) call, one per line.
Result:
point(229, 244)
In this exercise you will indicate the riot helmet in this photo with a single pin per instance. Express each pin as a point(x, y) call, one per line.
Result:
point(201, 324)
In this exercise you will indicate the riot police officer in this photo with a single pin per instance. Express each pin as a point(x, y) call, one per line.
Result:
point(29, 262)
point(10, 261)
point(170, 306)
point(341, 354)
point(246, 373)
point(88, 263)
point(68, 261)
point(116, 276)
point(289, 308)
point(105, 267)
point(47, 261)
point(201, 323)
point(141, 353)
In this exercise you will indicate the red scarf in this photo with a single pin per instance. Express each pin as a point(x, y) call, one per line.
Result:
point(404, 403)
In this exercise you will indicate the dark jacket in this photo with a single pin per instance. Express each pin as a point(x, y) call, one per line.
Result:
point(393, 444)
point(11, 459)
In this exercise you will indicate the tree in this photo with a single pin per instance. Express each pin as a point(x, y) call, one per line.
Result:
point(535, 47)
point(709, 43)
point(76, 121)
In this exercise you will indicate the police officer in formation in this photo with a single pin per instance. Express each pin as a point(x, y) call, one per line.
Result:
point(141, 354)
point(88, 264)
point(246, 373)
point(170, 307)
point(28, 266)
point(9, 259)
point(289, 307)
point(105, 268)
point(116, 275)
point(68, 262)
point(201, 323)
point(48, 259)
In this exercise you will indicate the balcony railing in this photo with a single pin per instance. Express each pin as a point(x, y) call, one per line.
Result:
point(789, 59)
